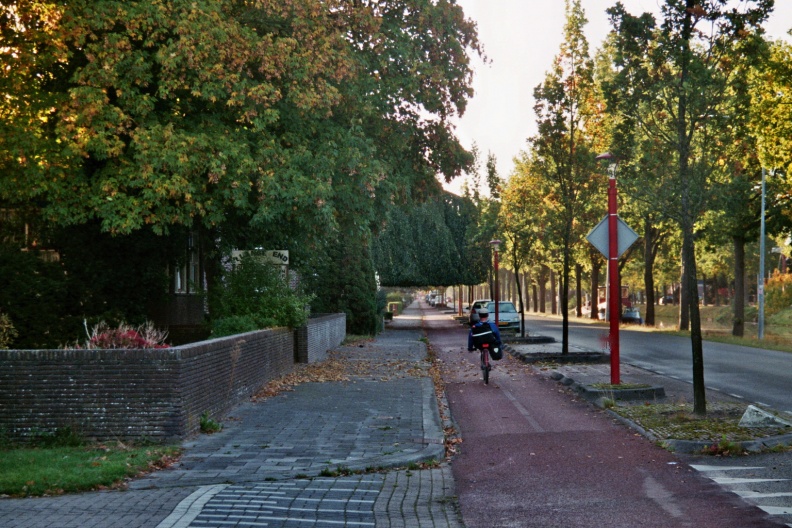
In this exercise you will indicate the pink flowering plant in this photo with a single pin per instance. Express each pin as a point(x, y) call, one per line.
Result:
point(102, 336)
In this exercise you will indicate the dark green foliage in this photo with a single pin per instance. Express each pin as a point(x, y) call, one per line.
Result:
point(98, 277)
point(294, 121)
point(345, 282)
point(239, 324)
point(431, 244)
point(39, 298)
point(119, 277)
point(253, 295)
point(63, 437)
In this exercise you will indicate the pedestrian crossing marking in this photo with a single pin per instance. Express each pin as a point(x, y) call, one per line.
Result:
point(705, 468)
point(728, 481)
point(752, 496)
point(759, 495)
point(776, 510)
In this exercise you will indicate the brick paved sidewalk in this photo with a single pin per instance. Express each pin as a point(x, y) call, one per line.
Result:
point(387, 417)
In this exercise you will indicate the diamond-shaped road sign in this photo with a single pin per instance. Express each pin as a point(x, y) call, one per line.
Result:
point(599, 236)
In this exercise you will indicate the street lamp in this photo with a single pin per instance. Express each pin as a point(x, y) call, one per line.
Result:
point(495, 246)
point(613, 267)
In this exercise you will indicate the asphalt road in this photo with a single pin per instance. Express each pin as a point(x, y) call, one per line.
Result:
point(534, 455)
point(754, 375)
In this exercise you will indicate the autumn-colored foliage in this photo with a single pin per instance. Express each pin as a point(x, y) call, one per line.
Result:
point(149, 113)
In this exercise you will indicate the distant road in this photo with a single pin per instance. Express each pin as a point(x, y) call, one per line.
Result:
point(753, 374)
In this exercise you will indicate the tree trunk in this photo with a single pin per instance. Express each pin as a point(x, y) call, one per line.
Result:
point(650, 238)
point(691, 286)
point(596, 264)
point(688, 217)
point(738, 326)
point(579, 289)
point(520, 306)
point(535, 297)
point(554, 290)
point(564, 301)
point(684, 307)
point(543, 289)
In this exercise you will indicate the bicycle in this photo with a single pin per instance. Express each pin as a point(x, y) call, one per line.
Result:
point(485, 361)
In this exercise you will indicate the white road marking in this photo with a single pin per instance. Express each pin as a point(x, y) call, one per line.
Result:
point(776, 510)
point(662, 496)
point(698, 467)
point(730, 481)
point(759, 495)
point(189, 508)
point(523, 411)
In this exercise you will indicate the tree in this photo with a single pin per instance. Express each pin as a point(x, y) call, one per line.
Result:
point(164, 113)
point(519, 227)
point(561, 149)
point(271, 122)
point(672, 78)
point(428, 244)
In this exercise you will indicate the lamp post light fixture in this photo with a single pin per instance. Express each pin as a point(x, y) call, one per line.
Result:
point(495, 246)
point(613, 267)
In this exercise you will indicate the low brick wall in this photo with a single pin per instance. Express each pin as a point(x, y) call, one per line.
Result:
point(156, 394)
point(321, 333)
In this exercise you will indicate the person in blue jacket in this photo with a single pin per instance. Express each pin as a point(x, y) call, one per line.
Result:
point(481, 327)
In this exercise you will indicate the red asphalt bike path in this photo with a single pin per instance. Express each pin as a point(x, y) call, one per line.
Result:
point(534, 455)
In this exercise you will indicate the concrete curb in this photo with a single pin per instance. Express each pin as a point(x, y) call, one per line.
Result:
point(672, 444)
point(539, 354)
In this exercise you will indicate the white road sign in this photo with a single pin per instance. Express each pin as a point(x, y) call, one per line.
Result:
point(599, 236)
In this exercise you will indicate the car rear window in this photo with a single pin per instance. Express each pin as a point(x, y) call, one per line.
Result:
point(504, 307)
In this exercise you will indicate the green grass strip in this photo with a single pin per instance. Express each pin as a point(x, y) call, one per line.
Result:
point(53, 471)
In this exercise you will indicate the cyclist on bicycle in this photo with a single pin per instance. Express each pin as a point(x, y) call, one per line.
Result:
point(483, 331)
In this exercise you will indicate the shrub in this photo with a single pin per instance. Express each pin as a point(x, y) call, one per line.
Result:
point(345, 281)
point(7, 331)
point(779, 292)
point(253, 295)
point(236, 324)
point(102, 336)
point(208, 425)
point(40, 299)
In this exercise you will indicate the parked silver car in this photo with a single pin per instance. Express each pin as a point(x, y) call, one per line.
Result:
point(508, 317)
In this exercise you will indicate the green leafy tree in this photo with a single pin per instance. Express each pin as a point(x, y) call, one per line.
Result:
point(346, 282)
point(561, 149)
point(164, 114)
point(428, 244)
point(519, 228)
point(268, 123)
point(671, 79)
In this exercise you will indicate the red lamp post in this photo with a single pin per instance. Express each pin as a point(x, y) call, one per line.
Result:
point(495, 245)
point(613, 268)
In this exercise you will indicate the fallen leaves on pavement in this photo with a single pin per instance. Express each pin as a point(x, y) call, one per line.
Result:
point(332, 369)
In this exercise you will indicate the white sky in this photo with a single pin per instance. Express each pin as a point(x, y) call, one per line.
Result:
point(521, 38)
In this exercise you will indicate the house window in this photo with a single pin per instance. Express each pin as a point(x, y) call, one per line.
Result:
point(186, 276)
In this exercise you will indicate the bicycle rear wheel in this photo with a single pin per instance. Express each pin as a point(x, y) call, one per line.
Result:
point(485, 368)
